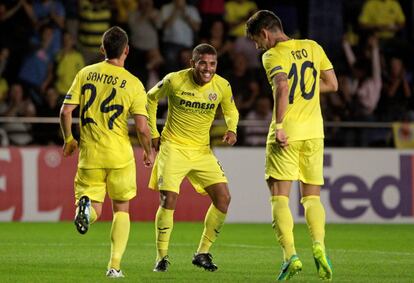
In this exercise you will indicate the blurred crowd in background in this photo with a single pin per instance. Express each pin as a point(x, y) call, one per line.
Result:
point(44, 43)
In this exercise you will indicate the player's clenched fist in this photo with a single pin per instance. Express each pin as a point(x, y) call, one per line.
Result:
point(70, 146)
point(230, 138)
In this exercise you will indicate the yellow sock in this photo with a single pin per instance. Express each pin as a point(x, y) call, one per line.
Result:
point(212, 225)
point(119, 238)
point(164, 222)
point(92, 216)
point(315, 218)
point(282, 223)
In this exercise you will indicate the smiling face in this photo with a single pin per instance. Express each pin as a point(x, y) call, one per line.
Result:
point(204, 68)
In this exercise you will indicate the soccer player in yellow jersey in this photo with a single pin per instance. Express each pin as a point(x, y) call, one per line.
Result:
point(194, 95)
point(298, 71)
point(107, 95)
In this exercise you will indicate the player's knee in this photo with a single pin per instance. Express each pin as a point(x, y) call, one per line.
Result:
point(222, 202)
point(168, 200)
point(97, 207)
point(227, 199)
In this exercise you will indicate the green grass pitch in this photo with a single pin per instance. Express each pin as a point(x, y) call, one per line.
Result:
point(55, 252)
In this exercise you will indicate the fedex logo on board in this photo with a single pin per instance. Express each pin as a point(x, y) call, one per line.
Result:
point(374, 195)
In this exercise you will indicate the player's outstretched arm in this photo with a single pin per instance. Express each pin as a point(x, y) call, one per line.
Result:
point(65, 116)
point(144, 136)
point(328, 81)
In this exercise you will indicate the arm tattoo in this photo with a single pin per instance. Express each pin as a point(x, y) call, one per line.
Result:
point(279, 78)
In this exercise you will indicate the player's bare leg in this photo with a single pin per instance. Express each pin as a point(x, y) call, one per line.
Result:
point(214, 220)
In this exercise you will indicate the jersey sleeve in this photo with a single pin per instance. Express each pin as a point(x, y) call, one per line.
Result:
point(274, 64)
point(139, 101)
point(73, 95)
point(325, 62)
point(157, 92)
point(230, 112)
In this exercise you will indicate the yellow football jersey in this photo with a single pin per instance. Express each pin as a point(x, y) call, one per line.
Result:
point(302, 61)
point(382, 13)
point(107, 96)
point(191, 108)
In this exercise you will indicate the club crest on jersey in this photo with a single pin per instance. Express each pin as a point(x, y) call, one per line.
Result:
point(212, 96)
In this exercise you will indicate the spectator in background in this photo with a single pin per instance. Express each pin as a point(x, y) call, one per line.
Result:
point(18, 105)
point(245, 86)
point(366, 87)
point(256, 135)
point(6, 13)
point(144, 53)
point(15, 31)
point(367, 78)
point(4, 87)
point(48, 133)
point(122, 9)
point(210, 11)
point(237, 13)
point(72, 17)
point(247, 47)
point(94, 20)
point(180, 22)
point(36, 71)
point(338, 107)
point(47, 12)
point(184, 58)
point(397, 92)
point(217, 37)
point(153, 66)
point(68, 63)
point(383, 17)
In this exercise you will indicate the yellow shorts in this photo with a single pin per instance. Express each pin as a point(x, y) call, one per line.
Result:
point(120, 183)
point(173, 163)
point(301, 160)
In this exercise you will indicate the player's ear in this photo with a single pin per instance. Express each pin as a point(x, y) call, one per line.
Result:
point(126, 50)
point(102, 49)
point(263, 33)
point(192, 63)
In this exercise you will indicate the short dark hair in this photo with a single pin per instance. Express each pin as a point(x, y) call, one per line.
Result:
point(263, 19)
point(203, 48)
point(114, 41)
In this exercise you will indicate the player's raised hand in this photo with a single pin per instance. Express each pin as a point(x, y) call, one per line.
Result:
point(149, 158)
point(281, 138)
point(70, 146)
point(230, 138)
